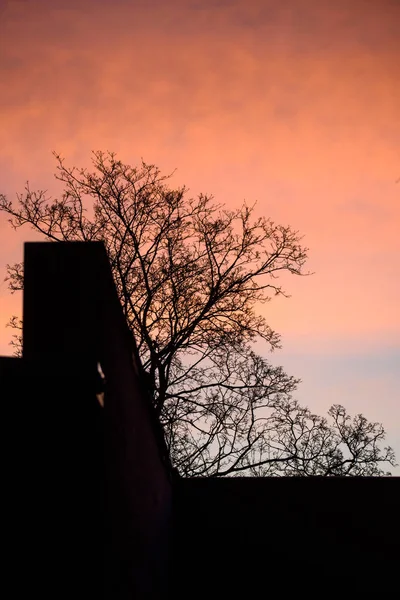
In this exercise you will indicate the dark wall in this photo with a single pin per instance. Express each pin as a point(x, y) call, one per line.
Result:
point(92, 491)
point(278, 536)
point(52, 483)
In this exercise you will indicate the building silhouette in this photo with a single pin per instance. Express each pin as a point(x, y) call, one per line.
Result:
point(92, 507)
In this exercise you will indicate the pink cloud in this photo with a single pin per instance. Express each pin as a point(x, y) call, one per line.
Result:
point(296, 107)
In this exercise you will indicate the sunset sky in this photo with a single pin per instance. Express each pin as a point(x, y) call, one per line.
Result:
point(294, 104)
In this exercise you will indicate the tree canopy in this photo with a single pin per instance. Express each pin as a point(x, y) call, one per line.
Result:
point(190, 275)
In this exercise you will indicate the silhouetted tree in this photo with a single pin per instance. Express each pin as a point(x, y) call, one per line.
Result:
point(190, 274)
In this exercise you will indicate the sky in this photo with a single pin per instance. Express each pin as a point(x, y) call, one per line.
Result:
point(294, 104)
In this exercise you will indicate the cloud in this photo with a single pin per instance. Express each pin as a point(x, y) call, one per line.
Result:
point(292, 104)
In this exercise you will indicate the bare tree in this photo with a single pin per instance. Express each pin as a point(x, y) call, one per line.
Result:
point(190, 274)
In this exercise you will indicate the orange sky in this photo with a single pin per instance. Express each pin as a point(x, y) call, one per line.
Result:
point(294, 104)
